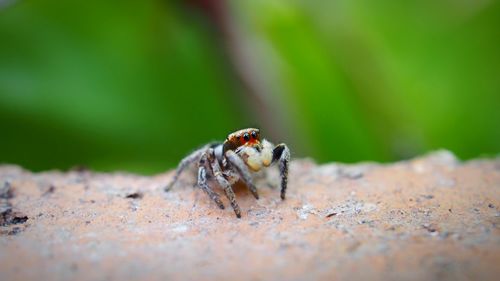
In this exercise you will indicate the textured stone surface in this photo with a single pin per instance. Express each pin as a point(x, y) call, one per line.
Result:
point(428, 218)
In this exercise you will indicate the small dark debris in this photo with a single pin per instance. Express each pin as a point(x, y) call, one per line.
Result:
point(429, 228)
point(476, 210)
point(50, 190)
point(18, 220)
point(331, 215)
point(40, 214)
point(449, 210)
point(87, 222)
point(428, 196)
point(491, 206)
point(9, 217)
point(92, 201)
point(370, 223)
point(135, 195)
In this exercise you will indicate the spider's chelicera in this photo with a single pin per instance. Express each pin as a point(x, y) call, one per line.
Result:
point(242, 153)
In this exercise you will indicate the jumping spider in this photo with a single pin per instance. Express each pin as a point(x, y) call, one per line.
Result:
point(240, 154)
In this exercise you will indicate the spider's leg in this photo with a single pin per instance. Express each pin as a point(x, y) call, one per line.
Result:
point(225, 184)
point(281, 153)
point(202, 181)
point(243, 170)
point(188, 160)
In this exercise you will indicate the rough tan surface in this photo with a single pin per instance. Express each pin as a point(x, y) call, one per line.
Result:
point(428, 218)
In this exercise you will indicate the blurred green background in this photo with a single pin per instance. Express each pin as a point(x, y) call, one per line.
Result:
point(135, 85)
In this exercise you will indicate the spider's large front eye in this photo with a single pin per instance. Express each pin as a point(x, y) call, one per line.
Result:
point(254, 135)
point(246, 137)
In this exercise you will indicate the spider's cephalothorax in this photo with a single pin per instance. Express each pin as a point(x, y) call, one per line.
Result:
point(240, 154)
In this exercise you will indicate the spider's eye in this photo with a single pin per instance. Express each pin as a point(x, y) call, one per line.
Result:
point(254, 135)
point(246, 137)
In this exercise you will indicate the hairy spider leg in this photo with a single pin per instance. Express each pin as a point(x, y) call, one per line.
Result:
point(225, 185)
point(188, 160)
point(202, 181)
point(243, 170)
point(281, 153)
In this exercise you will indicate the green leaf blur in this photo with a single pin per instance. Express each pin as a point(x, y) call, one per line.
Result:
point(135, 85)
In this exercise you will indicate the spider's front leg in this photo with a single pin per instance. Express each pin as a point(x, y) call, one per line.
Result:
point(281, 153)
point(202, 180)
point(225, 185)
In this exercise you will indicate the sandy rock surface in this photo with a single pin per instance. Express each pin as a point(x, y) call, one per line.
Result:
point(430, 218)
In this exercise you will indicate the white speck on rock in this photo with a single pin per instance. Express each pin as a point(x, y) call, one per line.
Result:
point(304, 212)
point(351, 207)
point(369, 207)
point(180, 228)
point(419, 167)
point(327, 170)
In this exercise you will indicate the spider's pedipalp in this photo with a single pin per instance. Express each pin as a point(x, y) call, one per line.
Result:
point(281, 153)
point(225, 185)
point(202, 181)
point(267, 153)
point(243, 170)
